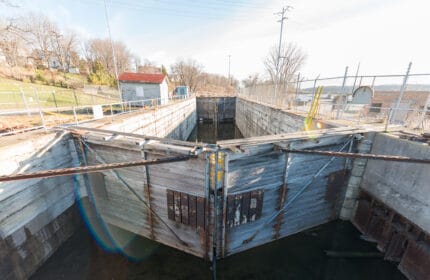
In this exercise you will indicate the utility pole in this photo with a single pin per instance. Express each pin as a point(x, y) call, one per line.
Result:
point(115, 66)
point(229, 62)
point(281, 20)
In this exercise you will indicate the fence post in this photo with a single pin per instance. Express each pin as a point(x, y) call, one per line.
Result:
point(425, 110)
point(297, 91)
point(25, 101)
point(36, 96)
point(402, 91)
point(356, 76)
point(345, 76)
point(76, 99)
point(55, 100)
point(388, 119)
point(373, 82)
point(75, 116)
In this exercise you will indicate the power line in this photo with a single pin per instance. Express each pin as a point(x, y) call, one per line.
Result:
point(215, 11)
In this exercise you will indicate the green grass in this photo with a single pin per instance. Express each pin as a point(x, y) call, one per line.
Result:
point(10, 95)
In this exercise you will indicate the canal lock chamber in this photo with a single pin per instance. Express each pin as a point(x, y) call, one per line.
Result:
point(255, 181)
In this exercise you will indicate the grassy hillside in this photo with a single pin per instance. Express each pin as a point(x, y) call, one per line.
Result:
point(10, 95)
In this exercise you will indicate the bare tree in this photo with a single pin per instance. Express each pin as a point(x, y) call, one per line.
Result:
point(38, 32)
point(63, 48)
point(99, 50)
point(252, 80)
point(12, 45)
point(188, 72)
point(291, 60)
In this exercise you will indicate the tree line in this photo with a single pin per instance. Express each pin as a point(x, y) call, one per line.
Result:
point(35, 40)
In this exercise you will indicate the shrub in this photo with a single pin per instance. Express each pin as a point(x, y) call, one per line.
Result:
point(40, 77)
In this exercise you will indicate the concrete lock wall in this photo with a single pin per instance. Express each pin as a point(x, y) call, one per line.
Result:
point(402, 186)
point(38, 215)
point(218, 109)
point(175, 121)
point(256, 119)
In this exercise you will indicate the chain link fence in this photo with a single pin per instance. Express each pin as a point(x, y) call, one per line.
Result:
point(395, 99)
point(28, 110)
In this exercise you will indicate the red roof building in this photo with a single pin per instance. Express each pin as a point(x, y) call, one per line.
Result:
point(144, 88)
point(141, 78)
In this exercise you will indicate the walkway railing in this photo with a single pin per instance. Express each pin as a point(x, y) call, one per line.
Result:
point(21, 120)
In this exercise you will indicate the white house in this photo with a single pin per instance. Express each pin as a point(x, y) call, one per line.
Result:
point(142, 86)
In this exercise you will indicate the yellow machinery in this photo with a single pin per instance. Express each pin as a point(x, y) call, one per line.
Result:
point(313, 110)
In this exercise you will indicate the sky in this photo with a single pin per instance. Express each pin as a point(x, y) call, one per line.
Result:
point(382, 35)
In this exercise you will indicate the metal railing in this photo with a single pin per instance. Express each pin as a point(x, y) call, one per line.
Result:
point(22, 120)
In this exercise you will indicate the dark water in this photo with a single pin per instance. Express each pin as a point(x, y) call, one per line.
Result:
point(211, 132)
point(300, 256)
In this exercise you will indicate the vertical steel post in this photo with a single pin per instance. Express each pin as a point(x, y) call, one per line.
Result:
point(215, 229)
point(345, 76)
point(297, 91)
point(76, 99)
point(74, 115)
point(36, 96)
point(356, 76)
point(25, 101)
point(55, 100)
point(424, 113)
point(402, 91)
point(373, 82)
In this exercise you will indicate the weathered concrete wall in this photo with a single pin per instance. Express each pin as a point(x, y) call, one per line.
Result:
point(255, 119)
point(176, 121)
point(36, 216)
point(402, 186)
point(216, 108)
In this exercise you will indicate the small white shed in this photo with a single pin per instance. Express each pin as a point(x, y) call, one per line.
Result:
point(142, 86)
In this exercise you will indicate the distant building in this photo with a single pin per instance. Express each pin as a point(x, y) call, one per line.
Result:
point(74, 70)
point(141, 86)
point(382, 101)
point(149, 69)
point(181, 91)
